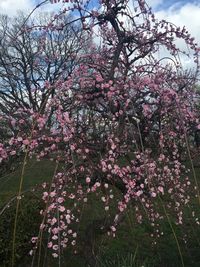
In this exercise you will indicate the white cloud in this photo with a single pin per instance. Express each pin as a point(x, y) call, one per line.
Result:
point(11, 7)
point(180, 14)
point(48, 7)
point(187, 15)
point(154, 3)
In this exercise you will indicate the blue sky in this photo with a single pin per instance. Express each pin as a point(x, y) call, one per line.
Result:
point(10, 5)
point(169, 3)
point(180, 12)
point(157, 4)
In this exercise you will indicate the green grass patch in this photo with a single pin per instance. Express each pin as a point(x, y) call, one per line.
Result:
point(132, 246)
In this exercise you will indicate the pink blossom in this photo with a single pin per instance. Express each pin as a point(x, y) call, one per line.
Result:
point(19, 139)
point(73, 243)
point(74, 235)
point(139, 193)
point(34, 239)
point(52, 194)
point(54, 237)
point(50, 244)
point(60, 199)
point(153, 194)
point(72, 147)
point(113, 228)
point(88, 180)
point(53, 221)
point(61, 208)
point(55, 230)
point(87, 150)
point(160, 188)
point(26, 142)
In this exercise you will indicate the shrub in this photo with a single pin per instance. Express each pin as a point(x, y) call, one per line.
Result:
point(27, 226)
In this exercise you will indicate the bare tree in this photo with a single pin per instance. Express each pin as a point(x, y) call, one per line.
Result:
point(32, 61)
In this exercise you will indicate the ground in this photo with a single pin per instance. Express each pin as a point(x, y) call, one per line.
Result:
point(133, 241)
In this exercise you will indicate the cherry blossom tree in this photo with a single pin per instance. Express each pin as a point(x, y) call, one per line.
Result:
point(119, 124)
point(33, 59)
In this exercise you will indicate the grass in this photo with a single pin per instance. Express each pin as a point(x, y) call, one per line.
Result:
point(132, 244)
point(36, 172)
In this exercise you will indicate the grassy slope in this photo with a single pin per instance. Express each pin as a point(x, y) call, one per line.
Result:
point(131, 237)
point(35, 174)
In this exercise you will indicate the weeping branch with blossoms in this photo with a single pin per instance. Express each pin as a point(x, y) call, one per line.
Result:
point(118, 124)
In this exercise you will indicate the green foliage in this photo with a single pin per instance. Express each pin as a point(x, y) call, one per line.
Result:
point(132, 244)
point(36, 172)
point(123, 261)
point(28, 223)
